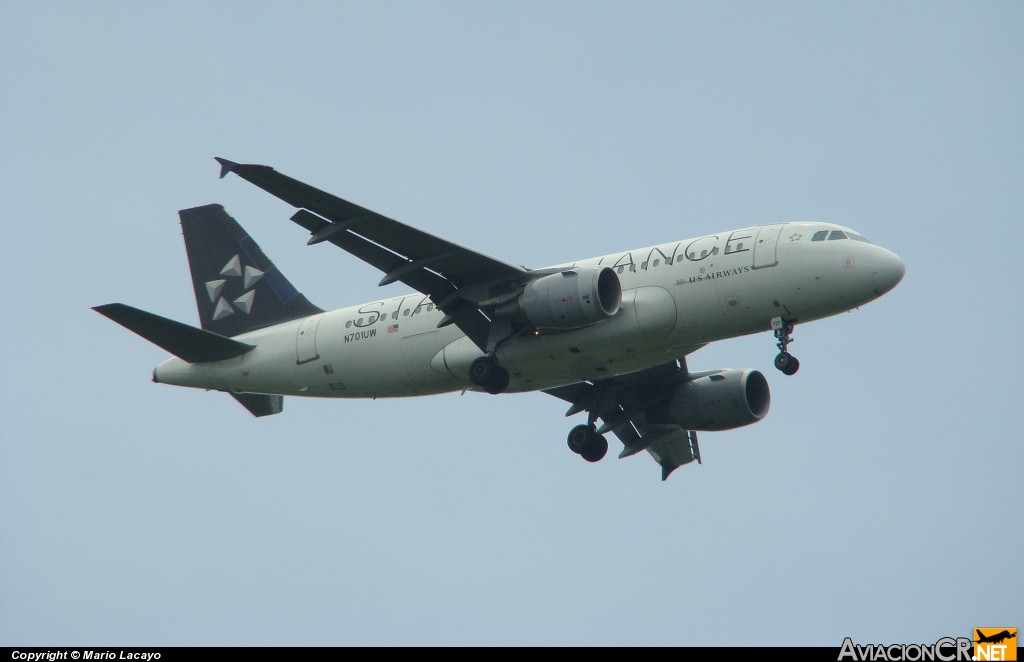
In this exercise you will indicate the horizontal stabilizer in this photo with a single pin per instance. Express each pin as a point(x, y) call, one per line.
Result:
point(186, 342)
point(259, 404)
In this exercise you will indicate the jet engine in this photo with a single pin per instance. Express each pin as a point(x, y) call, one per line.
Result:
point(720, 401)
point(568, 299)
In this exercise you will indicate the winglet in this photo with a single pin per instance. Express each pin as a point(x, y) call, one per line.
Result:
point(225, 166)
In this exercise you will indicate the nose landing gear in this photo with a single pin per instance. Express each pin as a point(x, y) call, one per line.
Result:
point(784, 362)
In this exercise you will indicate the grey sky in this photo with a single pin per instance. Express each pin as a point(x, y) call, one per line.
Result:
point(880, 499)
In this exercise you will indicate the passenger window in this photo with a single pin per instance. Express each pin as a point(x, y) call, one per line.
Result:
point(430, 307)
point(618, 270)
point(644, 266)
point(406, 312)
point(348, 324)
point(703, 254)
point(820, 236)
point(657, 262)
point(837, 234)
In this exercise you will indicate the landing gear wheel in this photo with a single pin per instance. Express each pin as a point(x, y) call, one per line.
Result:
point(483, 370)
point(596, 450)
point(488, 375)
point(794, 365)
point(787, 363)
point(499, 384)
point(578, 437)
point(587, 443)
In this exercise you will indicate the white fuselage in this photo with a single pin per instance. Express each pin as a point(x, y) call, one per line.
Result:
point(676, 297)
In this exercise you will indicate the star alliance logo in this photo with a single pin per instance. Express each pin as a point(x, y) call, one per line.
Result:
point(214, 288)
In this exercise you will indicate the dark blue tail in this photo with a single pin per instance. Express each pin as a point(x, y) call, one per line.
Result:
point(237, 287)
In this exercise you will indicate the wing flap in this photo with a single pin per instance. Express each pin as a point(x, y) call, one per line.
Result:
point(431, 265)
point(622, 404)
point(462, 266)
point(415, 274)
point(674, 450)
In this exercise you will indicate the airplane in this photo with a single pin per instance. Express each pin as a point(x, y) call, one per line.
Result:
point(608, 334)
point(997, 638)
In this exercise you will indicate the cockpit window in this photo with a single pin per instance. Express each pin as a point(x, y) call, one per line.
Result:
point(833, 235)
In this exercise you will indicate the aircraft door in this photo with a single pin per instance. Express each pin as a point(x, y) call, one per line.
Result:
point(765, 246)
point(305, 340)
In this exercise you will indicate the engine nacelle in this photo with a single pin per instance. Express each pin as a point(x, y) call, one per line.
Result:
point(569, 299)
point(721, 401)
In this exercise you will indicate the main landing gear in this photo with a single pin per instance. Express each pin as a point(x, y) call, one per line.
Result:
point(486, 373)
point(785, 362)
point(587, 443)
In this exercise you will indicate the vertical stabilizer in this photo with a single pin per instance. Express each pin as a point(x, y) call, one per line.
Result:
point(237, 287)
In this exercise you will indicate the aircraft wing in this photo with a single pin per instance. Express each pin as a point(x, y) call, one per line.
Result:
point(454, 277)
point(622, 404)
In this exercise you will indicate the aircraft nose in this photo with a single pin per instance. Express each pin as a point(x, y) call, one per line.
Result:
point(887, 270)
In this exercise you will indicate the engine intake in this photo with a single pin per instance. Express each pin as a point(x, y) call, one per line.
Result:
point(569, 299)
point(721, 401)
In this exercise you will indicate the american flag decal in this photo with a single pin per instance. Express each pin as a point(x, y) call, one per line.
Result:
point(392, 328)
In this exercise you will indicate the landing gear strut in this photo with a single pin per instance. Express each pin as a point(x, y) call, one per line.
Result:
point(486, 373)
point(785, 362)
point(587, 443)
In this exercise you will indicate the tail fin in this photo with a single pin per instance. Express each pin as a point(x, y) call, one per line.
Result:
point(237, 287)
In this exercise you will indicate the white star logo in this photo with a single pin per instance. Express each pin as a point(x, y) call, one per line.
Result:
point(214, 288)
